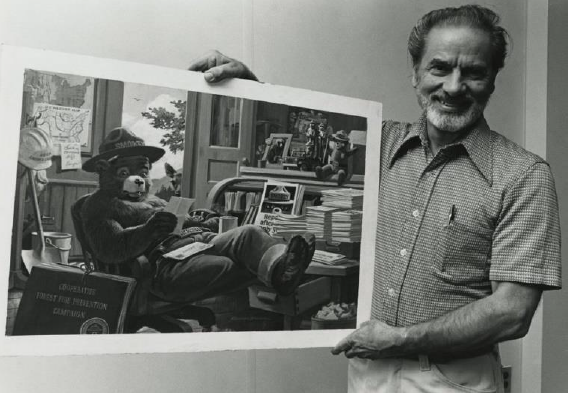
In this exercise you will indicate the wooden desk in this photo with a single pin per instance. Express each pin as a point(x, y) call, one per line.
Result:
point(324, 284)
point(344, 279)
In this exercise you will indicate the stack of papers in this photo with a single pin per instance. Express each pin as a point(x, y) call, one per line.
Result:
point(347, 225)
point(344, 198)
point(319, 220)
point(328, 258)
point(290, 225)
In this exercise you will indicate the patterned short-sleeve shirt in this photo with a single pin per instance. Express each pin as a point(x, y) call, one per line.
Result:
point(483, 209)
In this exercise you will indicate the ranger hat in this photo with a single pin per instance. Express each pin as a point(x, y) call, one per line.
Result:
point(341, 136)
point(122, 142)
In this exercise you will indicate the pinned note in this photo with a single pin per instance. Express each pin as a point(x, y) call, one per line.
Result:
point(70, 156)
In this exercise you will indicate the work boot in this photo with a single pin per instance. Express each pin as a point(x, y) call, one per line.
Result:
point(341, 177)
point(291, 265)
point(319, 172)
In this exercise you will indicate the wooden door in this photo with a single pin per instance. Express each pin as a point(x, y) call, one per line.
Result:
point(223, 137)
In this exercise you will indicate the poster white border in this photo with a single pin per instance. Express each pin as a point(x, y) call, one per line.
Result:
point(14, 61)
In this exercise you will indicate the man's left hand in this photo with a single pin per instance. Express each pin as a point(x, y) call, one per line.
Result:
point(373, 340)
point(216, 67)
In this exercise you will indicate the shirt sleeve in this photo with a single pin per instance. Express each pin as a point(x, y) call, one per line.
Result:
point(526, 241)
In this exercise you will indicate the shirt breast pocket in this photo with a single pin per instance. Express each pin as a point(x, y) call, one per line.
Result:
point(463, 254)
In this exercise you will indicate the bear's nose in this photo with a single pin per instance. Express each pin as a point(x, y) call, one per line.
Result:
point(139, 182)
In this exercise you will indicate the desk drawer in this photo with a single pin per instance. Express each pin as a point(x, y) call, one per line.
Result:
point(307, 295)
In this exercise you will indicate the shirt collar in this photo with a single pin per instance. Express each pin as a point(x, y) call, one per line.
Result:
point(477, 144)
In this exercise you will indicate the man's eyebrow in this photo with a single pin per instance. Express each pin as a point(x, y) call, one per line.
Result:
point(439, 62)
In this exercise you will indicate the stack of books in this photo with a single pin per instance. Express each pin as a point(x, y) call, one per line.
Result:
point(328, 258)
point(289, 225)
point(347, 225)
point(240, 201)
point(319, 221)
point(344, 198)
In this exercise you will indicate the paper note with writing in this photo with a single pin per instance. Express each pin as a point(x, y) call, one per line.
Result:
point(179, 206)
point(188, 250)
point(70, 156)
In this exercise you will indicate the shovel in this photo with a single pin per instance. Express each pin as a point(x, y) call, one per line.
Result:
point(33, 257)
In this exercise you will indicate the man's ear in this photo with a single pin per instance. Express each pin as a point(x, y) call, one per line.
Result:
point(414, 77)
point(102, 166)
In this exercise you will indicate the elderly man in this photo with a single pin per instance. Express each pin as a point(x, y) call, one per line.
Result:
point(468, 231)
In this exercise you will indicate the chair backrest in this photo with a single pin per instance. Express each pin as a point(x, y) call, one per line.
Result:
point(137, 269)
point(89, 256)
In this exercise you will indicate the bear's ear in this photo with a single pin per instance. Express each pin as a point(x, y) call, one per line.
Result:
point(102, 166)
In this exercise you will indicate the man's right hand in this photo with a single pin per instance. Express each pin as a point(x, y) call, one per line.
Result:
point(216, 67)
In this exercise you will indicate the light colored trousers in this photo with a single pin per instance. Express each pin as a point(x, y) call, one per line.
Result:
point(480, 374)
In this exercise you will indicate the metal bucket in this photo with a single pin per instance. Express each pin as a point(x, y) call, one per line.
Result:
point(57, 245)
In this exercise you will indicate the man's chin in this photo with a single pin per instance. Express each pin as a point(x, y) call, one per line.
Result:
point(452, 122)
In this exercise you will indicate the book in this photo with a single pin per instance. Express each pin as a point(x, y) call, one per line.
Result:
point(278, 198)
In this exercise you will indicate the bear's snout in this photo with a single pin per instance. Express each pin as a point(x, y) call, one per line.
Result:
point(134, 185)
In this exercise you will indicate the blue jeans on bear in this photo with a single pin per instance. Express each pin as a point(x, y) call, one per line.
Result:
point(238, 258)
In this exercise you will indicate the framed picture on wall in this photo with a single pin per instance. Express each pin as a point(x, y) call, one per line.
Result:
point(265, 315)
point(277, 148)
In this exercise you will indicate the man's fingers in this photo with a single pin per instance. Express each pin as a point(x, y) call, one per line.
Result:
point(225, 71)
point(341, 346)
point(216, 67)
point(360, 353)
point(206, 61)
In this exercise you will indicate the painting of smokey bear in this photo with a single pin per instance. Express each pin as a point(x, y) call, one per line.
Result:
point(139, 178)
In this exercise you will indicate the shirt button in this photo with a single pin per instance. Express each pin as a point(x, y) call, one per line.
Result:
point(415, 213)
point(403, 252)
point(391, 292)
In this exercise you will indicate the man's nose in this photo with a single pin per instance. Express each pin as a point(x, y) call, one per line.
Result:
point(454, 85)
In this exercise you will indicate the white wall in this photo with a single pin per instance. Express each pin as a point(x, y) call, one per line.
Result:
point(354, 48)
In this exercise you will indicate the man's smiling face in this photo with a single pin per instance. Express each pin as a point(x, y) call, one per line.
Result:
point(454, 79)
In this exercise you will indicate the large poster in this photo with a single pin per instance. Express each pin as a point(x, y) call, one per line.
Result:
point(304, 192)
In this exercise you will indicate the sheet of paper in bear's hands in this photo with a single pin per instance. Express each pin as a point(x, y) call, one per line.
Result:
point(180, 207)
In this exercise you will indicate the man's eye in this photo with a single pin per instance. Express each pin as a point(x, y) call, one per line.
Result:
point(476, 73)
point(439, 69)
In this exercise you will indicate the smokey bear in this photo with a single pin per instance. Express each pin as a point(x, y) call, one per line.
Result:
point(123, 221)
